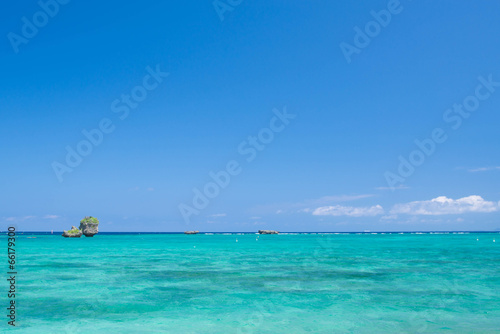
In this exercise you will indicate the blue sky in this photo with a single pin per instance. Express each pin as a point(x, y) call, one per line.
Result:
point(324, 168)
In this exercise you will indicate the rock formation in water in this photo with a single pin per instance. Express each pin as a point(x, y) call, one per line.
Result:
point(191, 232)
point(268, 232)
point(89, 226)
point(73, 233)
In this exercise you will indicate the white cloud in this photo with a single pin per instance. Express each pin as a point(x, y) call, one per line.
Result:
point(341, 198)
point(18, 219)
point(483, 169)
point(431, 221)
point(306, 205)
point(446, 206)
point(150, 189)
point(218, 215)
point(389, 217)
point(50, 217)
point(400, 187)
point(339, 210)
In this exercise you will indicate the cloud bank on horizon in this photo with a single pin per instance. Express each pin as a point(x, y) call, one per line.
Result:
point(339, 210)
point(441, 205)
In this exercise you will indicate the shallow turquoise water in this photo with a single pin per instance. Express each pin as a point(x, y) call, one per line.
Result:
point(316, 283)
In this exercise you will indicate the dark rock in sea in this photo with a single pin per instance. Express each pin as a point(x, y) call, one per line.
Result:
point(73, 233)
point(268, 232)
point(191, 232)
point(89, 226)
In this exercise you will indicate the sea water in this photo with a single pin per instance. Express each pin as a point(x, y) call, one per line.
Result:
point(287, 283)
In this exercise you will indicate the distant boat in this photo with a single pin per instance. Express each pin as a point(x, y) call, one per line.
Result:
point(191, 232)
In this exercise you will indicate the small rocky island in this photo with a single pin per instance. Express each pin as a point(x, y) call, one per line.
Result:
point(191, 232)
point(73, 233)
point(268, 232)
point(88, 227)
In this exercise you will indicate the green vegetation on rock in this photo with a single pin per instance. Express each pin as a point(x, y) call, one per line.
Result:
point(73, 231)
point(89, 220)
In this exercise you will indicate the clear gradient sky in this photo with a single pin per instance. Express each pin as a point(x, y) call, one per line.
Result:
point(235, 70)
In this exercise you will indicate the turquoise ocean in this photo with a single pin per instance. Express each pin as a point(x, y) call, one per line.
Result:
point(246, 283)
